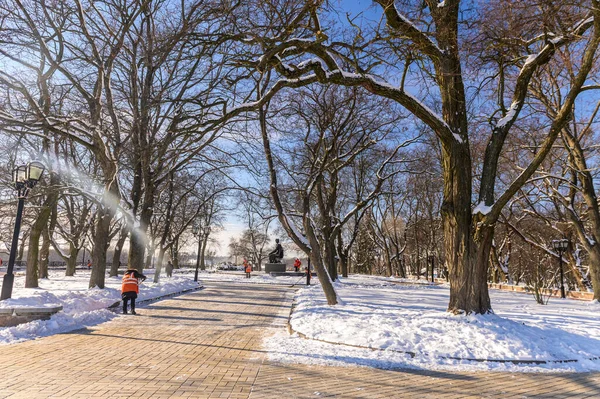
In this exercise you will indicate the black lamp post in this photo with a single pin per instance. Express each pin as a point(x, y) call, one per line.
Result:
point(561, 247)
point(196, 230)
point(25, 178)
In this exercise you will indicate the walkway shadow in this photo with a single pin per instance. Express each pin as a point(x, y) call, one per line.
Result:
point(228, 302)
point(161, 307)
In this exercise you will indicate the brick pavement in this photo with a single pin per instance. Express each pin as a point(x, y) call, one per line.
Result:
point(208, 345)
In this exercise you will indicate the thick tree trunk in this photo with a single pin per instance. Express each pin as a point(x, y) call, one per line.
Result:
point(116, 260)
point(71, 260)
point(203, 252)
point(343, 254)
point(329, 257)
point(44, 253)
point(322, 273)
point(175, 253)
point(578, 278)
point(100, 246)
point(467, 262)
point(159, 263)
point(344, 264)
point(578, 161)
point(101, 240)
point(33, 251)
point(402, 266)
point(22, 247)
point(138, 241)
point(595, 270)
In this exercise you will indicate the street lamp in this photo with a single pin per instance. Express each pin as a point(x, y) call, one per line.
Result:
point(196, 232)
point(25, 177)
point(561, 247)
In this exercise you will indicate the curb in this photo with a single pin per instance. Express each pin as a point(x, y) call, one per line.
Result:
point(115, 306)
point(415, 354)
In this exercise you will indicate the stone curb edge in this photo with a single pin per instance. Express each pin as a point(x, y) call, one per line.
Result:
point(415, 354)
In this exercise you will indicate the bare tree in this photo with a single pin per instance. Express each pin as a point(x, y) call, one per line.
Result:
point(383, 59)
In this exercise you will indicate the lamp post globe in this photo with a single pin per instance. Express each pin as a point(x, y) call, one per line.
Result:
point(35, 170)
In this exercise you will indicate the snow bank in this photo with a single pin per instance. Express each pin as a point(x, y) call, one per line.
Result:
point(412, 318)
point(82, 307)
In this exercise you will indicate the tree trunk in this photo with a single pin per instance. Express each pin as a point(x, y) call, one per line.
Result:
point(159, 263)
point(148, 261)
point(116, 260)
point(44, 253)
point(22, 246)
point(100, 246)
point(329, 256)
point(595, 270)
point(101, 240)
point(343, 254)
point(138, 241)
point(467, 262)
point(175, 253)
point(322, 273)
point(33, 251)
point(202, 265)
point(71, 260)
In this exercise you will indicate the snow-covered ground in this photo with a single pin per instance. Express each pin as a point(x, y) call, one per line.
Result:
point(397, 318)
point(82, 307)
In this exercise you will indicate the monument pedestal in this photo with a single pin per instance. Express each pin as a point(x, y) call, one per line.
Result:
point(274, 267)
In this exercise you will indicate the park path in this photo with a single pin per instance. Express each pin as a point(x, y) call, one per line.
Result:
point(207, 344)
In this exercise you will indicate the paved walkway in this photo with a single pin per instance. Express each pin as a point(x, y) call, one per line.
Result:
point(208, 345)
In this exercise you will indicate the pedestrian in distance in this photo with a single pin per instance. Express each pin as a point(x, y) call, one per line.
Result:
point(297, 265)
point(169, 269)
point(131, 288)
point(247, 268)
point(89, 264)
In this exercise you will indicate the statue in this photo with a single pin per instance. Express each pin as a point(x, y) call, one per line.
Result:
point(276, 255)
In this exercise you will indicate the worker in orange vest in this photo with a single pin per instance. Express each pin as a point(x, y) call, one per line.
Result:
point(247, 268)
point(131, 288)
point(297, 265)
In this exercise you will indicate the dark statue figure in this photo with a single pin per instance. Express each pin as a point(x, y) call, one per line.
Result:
point(276, 255)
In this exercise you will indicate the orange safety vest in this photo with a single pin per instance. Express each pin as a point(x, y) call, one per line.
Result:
point(248, 268)
point(297, 263)
point(130, 283)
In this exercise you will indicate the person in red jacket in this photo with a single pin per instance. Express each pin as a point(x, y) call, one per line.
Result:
point(297, 265)
point(131, 288)
point(247, 268)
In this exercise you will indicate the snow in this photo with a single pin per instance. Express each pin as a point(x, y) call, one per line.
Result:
point(482, 208)
point(510, 115)
point(82, 307)
point(407, 326)
point(457, 138)
point(531, 58)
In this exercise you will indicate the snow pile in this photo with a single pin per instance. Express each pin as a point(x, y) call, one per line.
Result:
point(409, 320)
point(82, 307)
